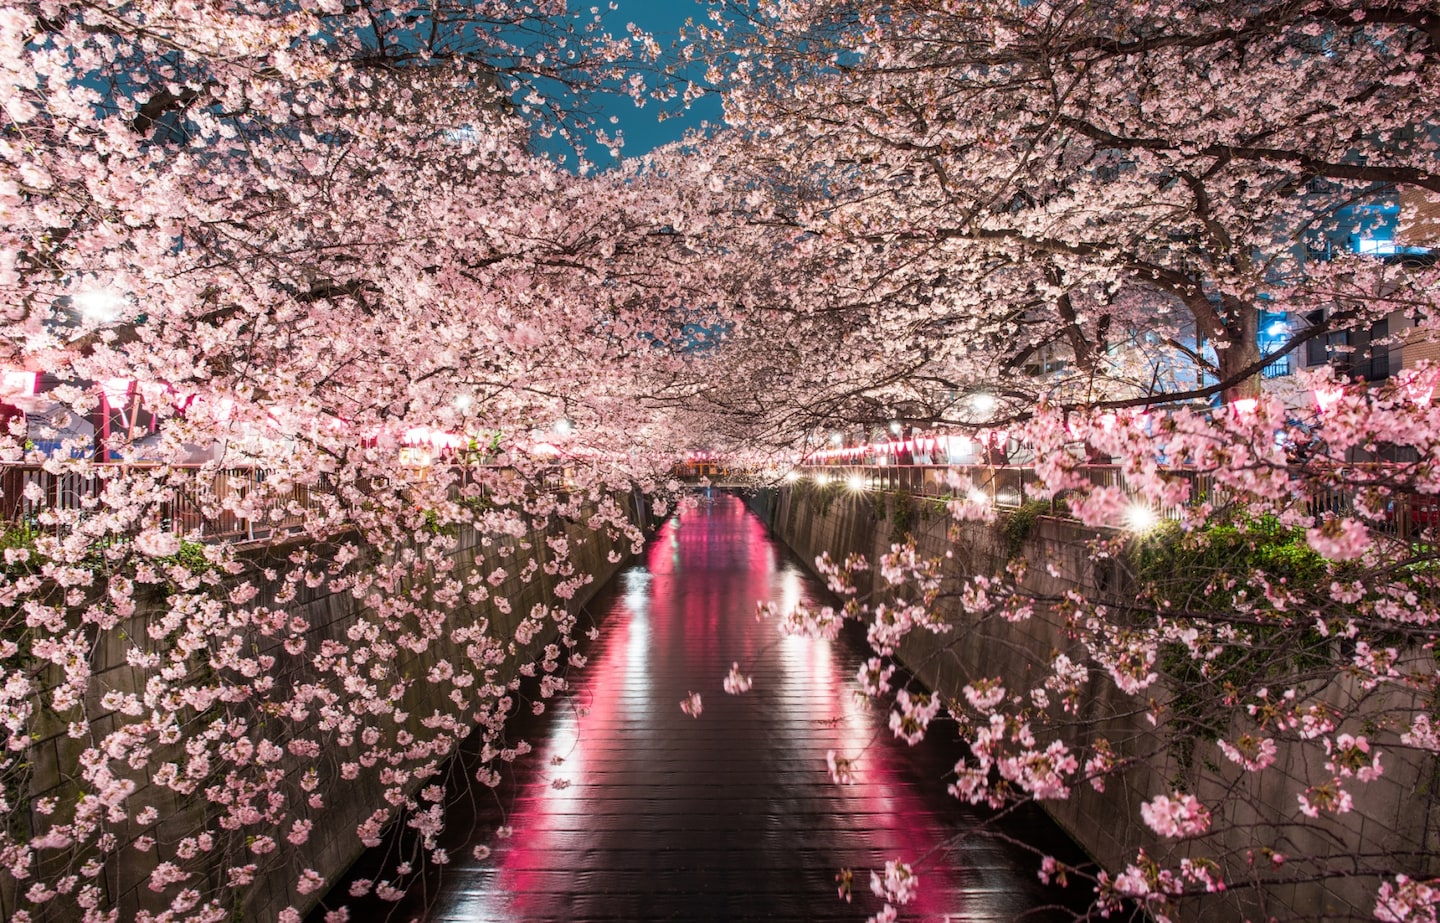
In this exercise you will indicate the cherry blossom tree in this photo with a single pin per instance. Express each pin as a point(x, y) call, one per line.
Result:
point(1081, 211)
point(1248, 678)
point(991, 189)
point(306, 233)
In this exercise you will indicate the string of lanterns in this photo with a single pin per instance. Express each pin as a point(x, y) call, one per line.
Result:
point(951, 445)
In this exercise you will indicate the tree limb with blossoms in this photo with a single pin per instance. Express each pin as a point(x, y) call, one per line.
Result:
point(1247, 679)
point(311, 244)
point(961, 195)
point(1083, 212)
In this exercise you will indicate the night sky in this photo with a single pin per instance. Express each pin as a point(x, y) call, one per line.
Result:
point(642, 128)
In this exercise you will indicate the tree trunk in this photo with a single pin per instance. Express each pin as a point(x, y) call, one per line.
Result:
point(1242, 351)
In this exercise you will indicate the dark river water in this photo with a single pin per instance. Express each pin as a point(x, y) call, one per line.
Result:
point(631, 810)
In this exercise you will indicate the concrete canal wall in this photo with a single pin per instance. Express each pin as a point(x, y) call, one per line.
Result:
point(1397, 813)
point(333, 844)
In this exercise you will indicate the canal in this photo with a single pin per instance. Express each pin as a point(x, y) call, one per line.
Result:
point(632, 810)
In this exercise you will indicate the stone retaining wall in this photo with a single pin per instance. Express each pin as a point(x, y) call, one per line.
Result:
point(333, 844)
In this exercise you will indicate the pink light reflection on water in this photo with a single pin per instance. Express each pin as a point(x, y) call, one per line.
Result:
point(675, 626)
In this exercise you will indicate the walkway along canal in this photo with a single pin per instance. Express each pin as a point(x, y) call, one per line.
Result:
point(632, 810)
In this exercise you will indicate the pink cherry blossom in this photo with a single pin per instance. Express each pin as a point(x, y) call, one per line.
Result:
point(735, 682)
point(1177, 815)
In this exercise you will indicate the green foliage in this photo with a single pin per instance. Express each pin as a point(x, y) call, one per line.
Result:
point(481, 450)
point(879, 505)
point(903, 516)
point(818, 497)
point(1019, 524)
point(191, 556)
point(477, 505)
point(1217, 573)
point(1210, 569)
point(434, 526)
point(16, 537)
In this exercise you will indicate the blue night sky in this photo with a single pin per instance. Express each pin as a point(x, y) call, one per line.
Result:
point(663, 19)
point(642, 128)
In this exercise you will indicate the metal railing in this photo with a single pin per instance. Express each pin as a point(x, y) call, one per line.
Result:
point(1008, 486)
point(244, 504)
point(236, 504)
point(251, 504)
point(1407, 515)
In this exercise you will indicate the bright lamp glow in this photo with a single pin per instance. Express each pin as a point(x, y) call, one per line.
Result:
point(792, 476)
point(855, 482)
point(1141, 517)
point(822, 479)
point(564, 427)
point(98, 305)
point(984, 403)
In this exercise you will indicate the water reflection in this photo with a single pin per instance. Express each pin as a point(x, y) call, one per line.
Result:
point(631, 810)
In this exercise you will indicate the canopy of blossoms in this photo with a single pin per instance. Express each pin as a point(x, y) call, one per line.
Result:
point(313, 240)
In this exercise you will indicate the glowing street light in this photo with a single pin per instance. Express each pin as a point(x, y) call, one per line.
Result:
point(1141, 518)
point(98, 305)
point(855, 482)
